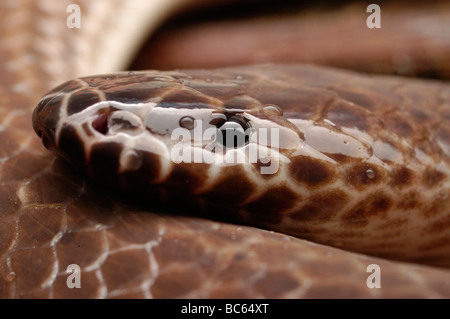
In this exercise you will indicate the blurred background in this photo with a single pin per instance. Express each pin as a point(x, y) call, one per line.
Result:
point(414, 38)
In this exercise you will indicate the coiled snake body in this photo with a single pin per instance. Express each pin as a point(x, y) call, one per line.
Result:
point(362, 163)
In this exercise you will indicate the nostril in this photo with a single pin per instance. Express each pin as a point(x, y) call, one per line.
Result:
point(100, 124)
point(40, 133)
point(46, 141)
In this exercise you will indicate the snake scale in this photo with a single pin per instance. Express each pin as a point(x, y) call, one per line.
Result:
point(363, 166)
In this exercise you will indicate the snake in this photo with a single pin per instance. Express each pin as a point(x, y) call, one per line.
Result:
point(354, 171)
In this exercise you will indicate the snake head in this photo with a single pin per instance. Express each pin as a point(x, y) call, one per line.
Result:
point(156, 128)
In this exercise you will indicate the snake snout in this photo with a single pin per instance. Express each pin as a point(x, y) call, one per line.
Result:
point(45, 119)
point(46, 140)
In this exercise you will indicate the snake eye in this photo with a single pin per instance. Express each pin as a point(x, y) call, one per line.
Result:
point(217, 119)
point(234, 133)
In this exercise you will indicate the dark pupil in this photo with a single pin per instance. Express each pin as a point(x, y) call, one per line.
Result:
point(233, 134)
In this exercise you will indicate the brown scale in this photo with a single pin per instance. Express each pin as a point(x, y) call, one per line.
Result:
point(311, 172)
point(273, 201)
point(411, 200)
point(362, 176)
point(80, 99)
point(376, 205)
point(322, 206)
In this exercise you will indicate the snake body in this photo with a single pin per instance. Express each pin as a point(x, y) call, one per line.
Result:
point(356, 164)
point(378, 183)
